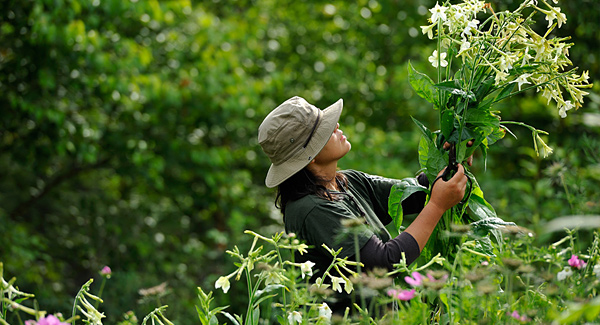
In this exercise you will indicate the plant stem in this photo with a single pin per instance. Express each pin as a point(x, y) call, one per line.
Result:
point(100, 292)
point(569, 199)
point(358, 269)
point(250, 294)
point(293, 280)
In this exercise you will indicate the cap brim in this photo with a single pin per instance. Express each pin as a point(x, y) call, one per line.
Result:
point(277, 174)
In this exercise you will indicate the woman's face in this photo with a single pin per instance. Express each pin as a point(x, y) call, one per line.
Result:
point(336, 148)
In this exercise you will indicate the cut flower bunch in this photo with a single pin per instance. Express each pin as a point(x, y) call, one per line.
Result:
point(481, 58)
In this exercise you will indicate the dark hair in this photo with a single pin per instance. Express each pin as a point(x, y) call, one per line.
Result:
point(305, 183)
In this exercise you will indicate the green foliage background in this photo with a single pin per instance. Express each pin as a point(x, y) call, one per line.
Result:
point(128, 132)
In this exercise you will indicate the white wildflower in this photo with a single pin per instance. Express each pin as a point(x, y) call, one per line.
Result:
point(500, 77)
point(336, 283)
point(428, 29)
point(470, 26)
point(306, 268)
point(348, 287)
point(597, 270)
point(434, 58)
point(564, 107)
point(438, 12)
point(522, 79)
point(223, 282)
point(541, 148)
point(294, 317)
point(325, 312)
point(566, 272)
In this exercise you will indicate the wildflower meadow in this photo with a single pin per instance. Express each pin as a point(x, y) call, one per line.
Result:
point(132, 183)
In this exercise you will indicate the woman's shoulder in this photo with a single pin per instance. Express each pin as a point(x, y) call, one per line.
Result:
point(307, 207)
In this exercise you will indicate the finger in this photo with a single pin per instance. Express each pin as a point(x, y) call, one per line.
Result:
point(470, 143)
point(460, 169)
point(447, 145)
point(461, 178)
point(470, 161)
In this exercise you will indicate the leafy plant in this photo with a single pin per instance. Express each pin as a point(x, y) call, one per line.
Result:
point(478, 65)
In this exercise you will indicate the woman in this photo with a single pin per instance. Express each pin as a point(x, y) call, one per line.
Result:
point(304, 145)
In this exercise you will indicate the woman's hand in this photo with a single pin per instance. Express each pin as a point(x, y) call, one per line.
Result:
point(446, 194)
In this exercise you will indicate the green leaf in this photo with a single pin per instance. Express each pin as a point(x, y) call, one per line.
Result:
point(479, 207)
point(485, 88)
point(399, 193)
point(431, 159)
point(484, 245)
point(453, 87)
point(423, 85)
point(447, 122)
point(259, 301)
point(255, 316)
point(481, 211)
point(235, 321)
point(462, 151)
point(481, 117)
point(269, 288)
point(505, 92)
point(426, 132)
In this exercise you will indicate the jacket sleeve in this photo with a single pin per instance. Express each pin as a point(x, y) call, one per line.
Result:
point(376, 253)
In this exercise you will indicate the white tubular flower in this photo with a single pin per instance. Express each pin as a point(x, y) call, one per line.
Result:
point(566, 272)
point(564, 107)
point(434, 59)
point(504, 63)
point(336, 283)
point(464, 46)
point(294, 317)
point(438, 12)
point(306, 268)
point(522, 79)
point(325, 312)
point(526, 57)
point(560, 17)
point(272, 277)
point(541, 148)
point(500, 77)
point(348, 287)
point(428, 29)
point(223, 282)
point(470, 26)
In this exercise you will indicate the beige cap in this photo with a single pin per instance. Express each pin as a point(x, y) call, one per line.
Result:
point(293, 134)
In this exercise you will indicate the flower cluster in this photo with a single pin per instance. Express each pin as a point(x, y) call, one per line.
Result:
point(577, 263)
point(507, 48)
point(574, 263)
point(518, 317)
point(433, 280)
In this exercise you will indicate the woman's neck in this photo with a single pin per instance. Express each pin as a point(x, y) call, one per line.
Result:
point(327, 174)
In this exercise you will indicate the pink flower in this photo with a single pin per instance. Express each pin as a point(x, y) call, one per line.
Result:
point(516, 316)
point(406, 295)
point(106, 271)
point(48, 320)
point(416, 279)
point(485, 263)
point(575, 262)
point(403, 295)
